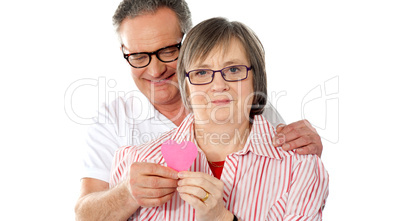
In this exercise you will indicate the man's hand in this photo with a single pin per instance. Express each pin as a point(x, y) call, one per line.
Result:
point(151, 184)
point(300, 136)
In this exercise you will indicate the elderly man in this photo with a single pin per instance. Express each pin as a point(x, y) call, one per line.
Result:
point(151, 33)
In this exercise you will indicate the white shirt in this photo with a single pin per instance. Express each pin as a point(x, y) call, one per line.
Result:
point(130, 121)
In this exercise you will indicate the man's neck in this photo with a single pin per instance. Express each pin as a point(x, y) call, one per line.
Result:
point(175, 111)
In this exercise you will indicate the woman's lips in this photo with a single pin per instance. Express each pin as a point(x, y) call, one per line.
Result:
point(221, 102)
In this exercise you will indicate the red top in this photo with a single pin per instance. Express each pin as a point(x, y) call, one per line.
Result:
point(217, 168)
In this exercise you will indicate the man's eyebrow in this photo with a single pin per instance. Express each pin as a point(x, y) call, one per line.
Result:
point(140, 52)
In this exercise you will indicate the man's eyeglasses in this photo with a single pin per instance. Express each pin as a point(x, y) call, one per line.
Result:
point(142, 59)
point(206, 76)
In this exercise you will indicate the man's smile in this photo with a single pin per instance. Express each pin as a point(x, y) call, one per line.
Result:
point(162, 81)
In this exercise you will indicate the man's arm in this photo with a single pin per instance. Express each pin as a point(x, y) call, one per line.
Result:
point(98, 202)
point(301, 136)
point(148, 185)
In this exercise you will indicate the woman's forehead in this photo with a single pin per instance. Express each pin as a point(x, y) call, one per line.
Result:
point(222, 54)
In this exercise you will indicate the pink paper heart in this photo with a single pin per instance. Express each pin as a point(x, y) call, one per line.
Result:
point(179, 156)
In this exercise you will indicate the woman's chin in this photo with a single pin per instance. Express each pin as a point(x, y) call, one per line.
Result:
point(222, 116)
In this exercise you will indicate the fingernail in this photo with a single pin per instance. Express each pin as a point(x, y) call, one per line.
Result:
point(285, 146)
point(279, 139)
point(180, 175)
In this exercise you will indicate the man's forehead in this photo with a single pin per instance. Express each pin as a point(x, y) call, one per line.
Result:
point(150, 31)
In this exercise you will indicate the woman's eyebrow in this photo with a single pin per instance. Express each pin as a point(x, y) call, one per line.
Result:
point(225, 64)
point(232, 62)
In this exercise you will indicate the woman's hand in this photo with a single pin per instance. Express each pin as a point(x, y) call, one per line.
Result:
point(205, 194)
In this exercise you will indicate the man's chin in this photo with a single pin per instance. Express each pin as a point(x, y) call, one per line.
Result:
point(164, 97)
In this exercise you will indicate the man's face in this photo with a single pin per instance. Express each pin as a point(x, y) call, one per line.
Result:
point(148, 33)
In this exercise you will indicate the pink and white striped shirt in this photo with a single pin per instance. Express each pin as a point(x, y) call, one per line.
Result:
point(261, 182)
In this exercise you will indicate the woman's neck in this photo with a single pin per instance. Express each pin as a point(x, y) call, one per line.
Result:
point(219, 140)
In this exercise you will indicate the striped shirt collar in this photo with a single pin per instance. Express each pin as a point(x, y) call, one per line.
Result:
point(258, 142)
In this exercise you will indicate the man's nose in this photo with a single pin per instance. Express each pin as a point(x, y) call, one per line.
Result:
point(156, 67)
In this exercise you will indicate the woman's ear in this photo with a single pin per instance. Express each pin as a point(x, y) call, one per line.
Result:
point(189, 106)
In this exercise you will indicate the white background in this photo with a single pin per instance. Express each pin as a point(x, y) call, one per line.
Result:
point(336, 63)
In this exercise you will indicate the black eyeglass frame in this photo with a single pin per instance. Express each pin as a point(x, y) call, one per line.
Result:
point(214, 71)
point(126, 56)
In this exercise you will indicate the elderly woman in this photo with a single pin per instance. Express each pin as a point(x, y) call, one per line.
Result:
point(238, 173)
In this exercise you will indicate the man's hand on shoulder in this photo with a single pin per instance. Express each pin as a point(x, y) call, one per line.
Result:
point(300, 136)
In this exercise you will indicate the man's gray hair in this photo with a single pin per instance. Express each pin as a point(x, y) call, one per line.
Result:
point(218, 32)
point(133, 8)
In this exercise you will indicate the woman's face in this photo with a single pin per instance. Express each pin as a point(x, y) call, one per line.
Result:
point(221, 101)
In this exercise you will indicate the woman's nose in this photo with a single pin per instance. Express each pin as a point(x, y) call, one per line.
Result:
point(219, 83)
